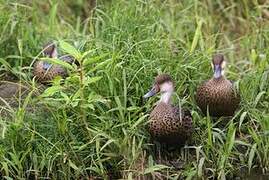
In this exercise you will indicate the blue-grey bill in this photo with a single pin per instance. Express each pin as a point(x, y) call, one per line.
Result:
point(217, 71)
point(46, 65)
point(151, 93)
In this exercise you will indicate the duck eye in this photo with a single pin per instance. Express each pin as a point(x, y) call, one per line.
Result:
point(156, 88)
point(46, 53)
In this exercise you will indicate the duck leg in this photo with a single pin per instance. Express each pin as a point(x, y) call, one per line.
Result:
point(159, 157)
point(161, 154)
point(167, 156)
point(158, 150)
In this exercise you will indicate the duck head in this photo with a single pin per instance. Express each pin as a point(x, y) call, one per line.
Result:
point(69, 59)
point(163, 84)
point(218, 65)
point(49, 51)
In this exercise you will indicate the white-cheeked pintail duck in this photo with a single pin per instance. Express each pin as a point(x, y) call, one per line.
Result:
point(46, 72)
point(168, 124)
point(218, 94)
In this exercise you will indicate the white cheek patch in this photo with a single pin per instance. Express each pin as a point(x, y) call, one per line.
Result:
point(222, 72)
point(166, 87)
point(54, 53)
point(223, 64)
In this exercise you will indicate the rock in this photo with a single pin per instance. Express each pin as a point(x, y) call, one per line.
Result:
point(10, 95)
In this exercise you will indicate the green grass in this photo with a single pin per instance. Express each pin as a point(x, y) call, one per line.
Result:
point(94, 122)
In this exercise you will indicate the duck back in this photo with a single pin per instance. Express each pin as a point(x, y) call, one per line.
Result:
point(45, 75)
point(219, 96)
point(170, 125)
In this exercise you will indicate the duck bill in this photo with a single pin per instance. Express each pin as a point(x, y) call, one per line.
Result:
point(46, 65)
point(151, 93)
point(217, 71)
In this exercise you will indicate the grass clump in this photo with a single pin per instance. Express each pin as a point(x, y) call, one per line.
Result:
point(93, 124)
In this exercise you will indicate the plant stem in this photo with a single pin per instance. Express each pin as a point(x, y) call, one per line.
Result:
point(82, 102)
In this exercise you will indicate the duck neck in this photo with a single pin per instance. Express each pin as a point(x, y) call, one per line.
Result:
point(219, 79)
point(166, 97)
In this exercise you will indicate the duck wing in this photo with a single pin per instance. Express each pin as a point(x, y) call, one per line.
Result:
point(184, 117)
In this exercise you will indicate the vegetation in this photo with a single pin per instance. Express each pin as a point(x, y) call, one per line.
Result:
point(93, 124)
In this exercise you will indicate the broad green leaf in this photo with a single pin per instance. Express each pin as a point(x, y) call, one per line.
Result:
point(197, 35)
point(130, 176)
point(101, 64)
point(231, 141)
point(191, 175)
point(51, 91)
point(58, 62)
point(154, 168)
point(93, 80)
point(106, 144)
point(200, 167)
point(141, 119)
point(253, 56)
point(5, 63)
point(242, 117)
point(76, 95)
point(65, 97)
point(258, 97)
point(20, 46)
point(70, 50)
point(87, 53)
point(251, 156)
point(27, 100)
point(8, 178)
point(254, 134)
point(92, 60)
point(93, 97)
point(4, 130)
point(230, 138)
point(14, 57)
point(72, 165)
point(6, 170)
point(53, 17)
point(242, 143)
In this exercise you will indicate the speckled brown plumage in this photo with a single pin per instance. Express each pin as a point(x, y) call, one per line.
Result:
point(45, 75)
point(69, 59)
point(170, 125)
point(44, 72)
point(219, 96)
